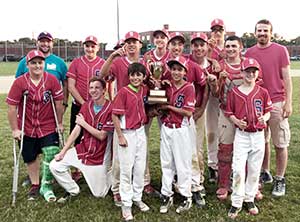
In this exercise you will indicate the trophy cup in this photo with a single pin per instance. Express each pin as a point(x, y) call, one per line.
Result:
point(157, 95)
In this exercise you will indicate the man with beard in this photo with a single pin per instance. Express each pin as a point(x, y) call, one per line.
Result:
point(53, 64)
point(274, 61)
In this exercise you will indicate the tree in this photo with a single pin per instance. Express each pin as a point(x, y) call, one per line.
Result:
point(248, 39)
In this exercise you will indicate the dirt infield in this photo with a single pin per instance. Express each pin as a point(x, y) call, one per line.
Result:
point(6, 81)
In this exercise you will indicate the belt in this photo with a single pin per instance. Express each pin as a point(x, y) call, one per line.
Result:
point(172, 125)
point(251, 130)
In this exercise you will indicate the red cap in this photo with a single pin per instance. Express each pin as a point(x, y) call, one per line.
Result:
point(248, 63)
point(119, 44)
point(132, 35)
point(174, 35)
point(163, 31)
point(33, 54)
point(199, 35)
point(45, 35)
point(178, 60)
point(218, 22)
point(92, 39)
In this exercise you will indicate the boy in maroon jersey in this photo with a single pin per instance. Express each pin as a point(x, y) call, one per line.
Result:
point(176, 148)
point(93, 155)
point(129, 118)
point(81, 70)
point(40, 134)
point(248, 107)
point(116, 66)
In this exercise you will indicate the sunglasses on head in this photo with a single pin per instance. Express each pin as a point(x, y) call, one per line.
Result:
point(217, 29)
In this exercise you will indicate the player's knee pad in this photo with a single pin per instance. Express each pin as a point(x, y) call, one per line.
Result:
point(225, 153)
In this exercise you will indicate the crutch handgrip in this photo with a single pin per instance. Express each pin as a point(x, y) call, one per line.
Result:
point(60, 135)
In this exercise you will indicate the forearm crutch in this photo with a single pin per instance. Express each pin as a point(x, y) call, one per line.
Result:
point(60, 135)
point(17, 156)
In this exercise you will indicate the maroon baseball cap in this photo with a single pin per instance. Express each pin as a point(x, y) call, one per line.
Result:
point(119, 44)
point(199, 35)
point(217, 22)
point(92, 39)
point(174, 35)
point(33, 54)
point(250, 63)
point(163, 31)
point(132, 35)
point(178, 60)
point(45, 35)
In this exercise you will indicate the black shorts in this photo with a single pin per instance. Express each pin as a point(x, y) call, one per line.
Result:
point(32, 147)
point(75, 109)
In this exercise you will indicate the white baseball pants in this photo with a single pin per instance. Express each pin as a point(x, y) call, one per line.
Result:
point(97, 177)
point(249, 148)
point(176, 156)
point(132, 166)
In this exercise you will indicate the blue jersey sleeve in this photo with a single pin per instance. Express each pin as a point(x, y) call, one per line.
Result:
point(22, 68)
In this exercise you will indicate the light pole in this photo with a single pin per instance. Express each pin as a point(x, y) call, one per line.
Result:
point(118, 24)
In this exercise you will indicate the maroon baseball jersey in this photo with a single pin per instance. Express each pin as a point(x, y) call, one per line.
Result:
point(150, 57)
point(249, 107)
point(82, 70)
point(234, 78)
point(39, 116)
point(194, 75)
point(184, 98)
point(198, 88)
point(91, 150)
point(130, 106)
point(217, 54)
point(119, 71)
point(271, 59)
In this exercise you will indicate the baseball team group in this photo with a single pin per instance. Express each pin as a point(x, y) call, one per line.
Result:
point(236, 102)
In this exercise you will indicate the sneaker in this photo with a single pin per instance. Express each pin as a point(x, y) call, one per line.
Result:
point(117, 200)
point(26, 181)
point(166, 203)
point(148, 189)
point(33, 192)
point(212, 175)
point(252, 209)
point(141, 205)
point(202, 190)
point(66, 197)
point(278, 187)
point(198, 199)
point(222, 194)
point(265, 177)
point(185, 205)
point(233, 212)
point(126, 213)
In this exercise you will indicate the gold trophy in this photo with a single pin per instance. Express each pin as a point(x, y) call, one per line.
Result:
point(157, 95)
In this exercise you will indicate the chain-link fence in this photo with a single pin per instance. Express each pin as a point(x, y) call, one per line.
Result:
point(16, 51)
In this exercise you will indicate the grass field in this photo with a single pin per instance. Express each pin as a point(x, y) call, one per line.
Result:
point(87, 208)
point(9, 68)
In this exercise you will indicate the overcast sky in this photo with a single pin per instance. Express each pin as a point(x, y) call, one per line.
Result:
point(77, 19)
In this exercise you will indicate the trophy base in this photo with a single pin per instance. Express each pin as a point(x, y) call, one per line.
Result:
point(157, 100)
